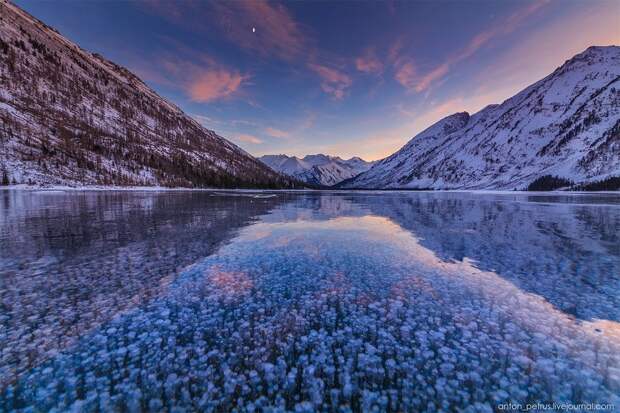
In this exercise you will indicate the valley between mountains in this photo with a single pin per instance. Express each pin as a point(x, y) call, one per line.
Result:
point(71, 117)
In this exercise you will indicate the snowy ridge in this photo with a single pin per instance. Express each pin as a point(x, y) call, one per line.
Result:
point(566, 125)
point(70, 117)
point(322, 170)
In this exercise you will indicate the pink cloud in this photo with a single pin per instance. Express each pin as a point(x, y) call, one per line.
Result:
point(200, 77)
point(333, 82)
point(425, 81)
point(277, 33)
point(406, 76)
point(214, 84)
point(395, 49)
point(277, 133)
point(504, 27)
point(249, 139)
point(262, 27)
point(368, 63)
point(164, 8)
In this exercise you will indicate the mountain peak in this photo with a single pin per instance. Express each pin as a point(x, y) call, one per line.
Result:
point(447, 125)
point(318, 169)
point(611, 49)
point(355, 159)
point(565, 125)
point(455, 121)
point(592, 55)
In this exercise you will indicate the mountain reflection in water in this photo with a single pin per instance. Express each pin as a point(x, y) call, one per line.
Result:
point(308, 301)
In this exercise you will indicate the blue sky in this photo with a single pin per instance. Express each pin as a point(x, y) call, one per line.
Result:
point(344, 78)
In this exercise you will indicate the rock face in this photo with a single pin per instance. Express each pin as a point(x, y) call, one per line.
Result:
point(566, 125)
point(72, 117)
point(322, 170)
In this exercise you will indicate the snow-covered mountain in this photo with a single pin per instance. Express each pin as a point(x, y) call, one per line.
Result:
point(72, 117)
point(318, 169)
point(566, 125)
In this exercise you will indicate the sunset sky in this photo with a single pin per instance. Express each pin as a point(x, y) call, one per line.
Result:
point(342, 78)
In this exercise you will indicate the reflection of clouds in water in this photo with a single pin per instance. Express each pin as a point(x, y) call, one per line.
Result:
point(568, 253)
point(534, 314)
point(228, 284)
point(72, 261)
point(255, 234)
point(356, 311)
point(282, 241)
point(435, 277)
point(376, 236)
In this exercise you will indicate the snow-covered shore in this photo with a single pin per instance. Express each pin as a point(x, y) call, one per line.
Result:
point(49, 188)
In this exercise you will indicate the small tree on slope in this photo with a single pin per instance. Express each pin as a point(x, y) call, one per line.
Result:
point(5, 177)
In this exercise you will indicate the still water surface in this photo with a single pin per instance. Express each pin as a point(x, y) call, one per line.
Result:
point(333, 301)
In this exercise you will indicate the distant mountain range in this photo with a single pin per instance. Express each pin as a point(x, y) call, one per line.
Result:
point(562, 131)
point(72, 117)
point(320, 170)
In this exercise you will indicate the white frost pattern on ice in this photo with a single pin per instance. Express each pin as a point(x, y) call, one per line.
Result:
point(347, 313)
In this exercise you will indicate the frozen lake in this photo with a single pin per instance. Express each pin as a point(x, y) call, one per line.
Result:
point(359, 301)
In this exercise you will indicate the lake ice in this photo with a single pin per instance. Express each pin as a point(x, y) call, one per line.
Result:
point(318, 301)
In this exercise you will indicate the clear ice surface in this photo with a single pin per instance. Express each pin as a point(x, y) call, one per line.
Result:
point(319, 301)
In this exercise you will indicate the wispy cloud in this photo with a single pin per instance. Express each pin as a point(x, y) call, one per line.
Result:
point(277, 133)
point(405, 70)
point(394, 51)
point(425, 81)
point(308, 121)
point(276, 33)
point(501, 28)
point(206, 121)
point(214, 84)
point(263, 28)
point(333, 82)
point(243, 122)
point(541, 50)
point(202, 78)
point(249, 139)
point(368, 62)
point(407, 76)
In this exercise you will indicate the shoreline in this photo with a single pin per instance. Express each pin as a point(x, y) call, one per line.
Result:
point(101, 188)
